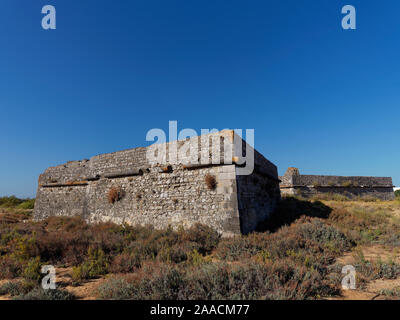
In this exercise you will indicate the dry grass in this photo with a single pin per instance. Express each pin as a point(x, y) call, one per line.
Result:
point(114, 194)
point(211, 182)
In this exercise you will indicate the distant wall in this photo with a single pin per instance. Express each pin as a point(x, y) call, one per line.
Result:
point(354, 186)
point(340, 181)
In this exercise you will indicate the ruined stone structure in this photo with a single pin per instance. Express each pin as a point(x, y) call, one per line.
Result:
point(294, 183)
point(131, 187)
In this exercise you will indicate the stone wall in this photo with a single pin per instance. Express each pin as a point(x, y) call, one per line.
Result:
point(163, 193)
point(293, 183)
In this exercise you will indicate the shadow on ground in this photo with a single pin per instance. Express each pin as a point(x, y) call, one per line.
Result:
point(290, 209)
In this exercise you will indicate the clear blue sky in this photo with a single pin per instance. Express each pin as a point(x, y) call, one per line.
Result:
point(320, 98)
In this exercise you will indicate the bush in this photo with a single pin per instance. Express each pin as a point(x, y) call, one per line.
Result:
point(397, 194)
point(173, 254)
point(114, 194)
point(50, 294)
point(10, 202)
point(308, 240)
point(378, 270)
point(206, 237)
point(325, 235)
point(166, 286)
point(211, 182)
point(9, 268)
point(116, 289)
point(96, 265)
point(280, 280)
point(125, 263)
point(366, 224)
point(27, 204)
point(391, 293)
point(16, 288)
point(32, 270)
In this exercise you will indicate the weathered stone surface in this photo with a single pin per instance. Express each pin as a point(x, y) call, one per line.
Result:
point(164, 193)
point(308, 185)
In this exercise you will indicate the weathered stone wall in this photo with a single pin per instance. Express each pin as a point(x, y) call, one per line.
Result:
point(161, 193)
point(293, 183)
point(258, 193)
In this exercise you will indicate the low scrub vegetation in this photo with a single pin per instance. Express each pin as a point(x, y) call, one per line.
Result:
point(41, 294)
point(293, 256)
point(14, 202)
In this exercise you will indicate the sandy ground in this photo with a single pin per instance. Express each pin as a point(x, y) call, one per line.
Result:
point(85, 291)
point(373, 289)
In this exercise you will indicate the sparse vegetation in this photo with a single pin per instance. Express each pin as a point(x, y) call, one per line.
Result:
point(13, 202)
point(292, 256)
point(115, 194)
point(95, 265)
point(390, 294)
point(16, 288)
point(27, 204)
point(41, 294)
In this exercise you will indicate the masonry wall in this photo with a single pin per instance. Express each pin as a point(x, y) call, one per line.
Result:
point(341, 181)
point(159, 194)
point(293, 183)
point(383, 193)
point(258, 193)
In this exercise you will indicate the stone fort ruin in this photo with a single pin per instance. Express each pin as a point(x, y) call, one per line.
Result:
point(294, 183)
point(131, 187)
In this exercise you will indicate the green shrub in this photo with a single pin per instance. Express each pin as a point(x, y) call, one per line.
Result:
point(391, 293)
point(10, 202)
point(318, 231)
point(166, 286)
point(373, 270)
point(32, 270)
point(125, 263)
point(15, 288)
point(96, 265)
point(279, 280)
point(173, 254)
point(397, 194)
point(27, 204)
point(9, 267)
point(194, 258)
point(308, 238)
